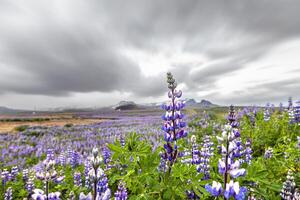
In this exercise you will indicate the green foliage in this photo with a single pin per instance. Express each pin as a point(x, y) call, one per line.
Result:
point(21, 128)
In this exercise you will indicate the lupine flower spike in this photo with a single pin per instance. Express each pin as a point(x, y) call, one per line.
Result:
point(173, 126)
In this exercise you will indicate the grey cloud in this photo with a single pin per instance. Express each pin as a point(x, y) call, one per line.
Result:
point(79, 51)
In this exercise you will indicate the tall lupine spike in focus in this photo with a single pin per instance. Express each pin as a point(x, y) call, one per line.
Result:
point(173, 126)
point(48, 174)
point(96, 172)
point(229, 164)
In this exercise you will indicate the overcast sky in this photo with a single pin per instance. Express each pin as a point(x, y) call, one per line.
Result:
point(95, 53)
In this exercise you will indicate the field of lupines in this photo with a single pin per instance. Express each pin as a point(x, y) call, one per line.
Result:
point(251, 153)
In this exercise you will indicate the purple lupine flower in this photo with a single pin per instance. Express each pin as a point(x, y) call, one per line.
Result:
point(269, 153)
point(106, 155)
point(163, 166)
point(87, 168)
point(62, 159)
point(248, 152)
point(267, 114)
point(297, 112)
point(121, 193)
point(25, 175)
point(122, 140)
point(234, 190)
point(50, 154)
point(173, 126)
point(215, 189)
point(82, 196)
point(14, 172)
point(195, 151)
point(231, 149)
point(8, 194)
point(4, 177)
point(74, 161)
point(29, 185)
point(205, 153)
point(77, 179)
point(96, 172)
point(54, 196)
point(288, 187)
point(103, 191)
point(291, 111)
point(38, 195)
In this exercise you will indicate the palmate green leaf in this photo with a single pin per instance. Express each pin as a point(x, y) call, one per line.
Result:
point(115, 148)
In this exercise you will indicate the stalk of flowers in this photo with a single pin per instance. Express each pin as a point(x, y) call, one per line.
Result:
point(267, 114)
point(87, 168)
point(289, 190)
point(8, 194)
point(29, 186)
point(121, 193)
point(5, 177)
point(40, 195)
point(77, 179)
point(106, 157)
point(48, 174)
point(297, 112)
point(104, 193)
point(122, 140)
point(290, 110)
point(205, 154)
point(268, 153)
point(173, 126)
point(96, 172)
point(229, 165)
point(193, 154)
point(25, 175)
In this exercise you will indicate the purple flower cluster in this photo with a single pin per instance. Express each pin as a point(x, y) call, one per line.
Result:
point(229, 165)
point(8, 194)
point(121, 193)
point(174, 124)
point(269, 153)
point(77, 179)
point(267, 112)
point(297, 112)
point(205, 153)
point(289, 190)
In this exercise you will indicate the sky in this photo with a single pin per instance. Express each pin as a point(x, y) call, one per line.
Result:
point(94, 53)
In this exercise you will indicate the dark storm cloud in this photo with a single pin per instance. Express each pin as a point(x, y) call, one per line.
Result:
point(56, 51)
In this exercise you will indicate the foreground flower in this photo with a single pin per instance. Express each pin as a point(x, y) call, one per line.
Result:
point(234, 190)
point(173, 126)
point(215, 189)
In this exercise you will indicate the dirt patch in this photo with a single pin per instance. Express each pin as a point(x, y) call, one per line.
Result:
point(10, 126)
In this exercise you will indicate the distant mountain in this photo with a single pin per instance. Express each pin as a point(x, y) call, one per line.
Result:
point(5, 110)
point(125, 105)
point(204, 103)
point(190, 102)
